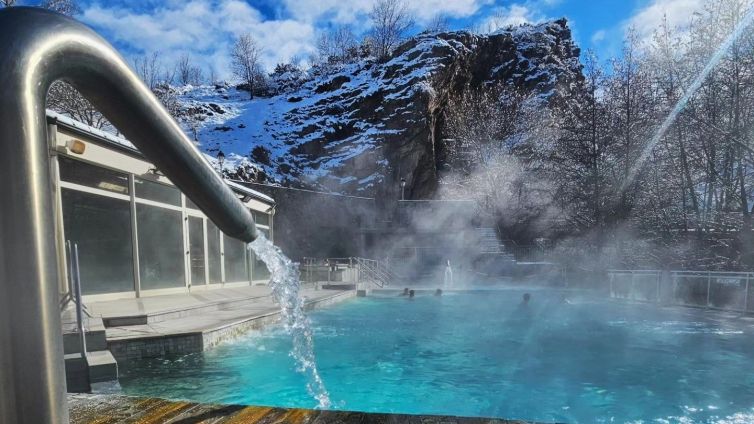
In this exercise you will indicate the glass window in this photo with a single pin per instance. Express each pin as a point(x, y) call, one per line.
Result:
point(261, 218)
point(78, 172)
point(158, 192)
point(196, 249)
point(160, 247)
point(260, 271)
point(213, 247)
point(102, 228)
point(190, 204)
point(236, 265)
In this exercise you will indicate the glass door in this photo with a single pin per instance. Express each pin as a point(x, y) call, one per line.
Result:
point(196, 250)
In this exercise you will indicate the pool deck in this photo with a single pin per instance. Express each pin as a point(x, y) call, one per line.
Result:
point(106, 409)
point(188, 323)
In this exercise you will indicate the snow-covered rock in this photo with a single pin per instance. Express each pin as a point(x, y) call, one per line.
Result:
point(358, 128)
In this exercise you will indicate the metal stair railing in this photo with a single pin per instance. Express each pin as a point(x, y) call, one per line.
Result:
point(372, 270)
point(37, 48)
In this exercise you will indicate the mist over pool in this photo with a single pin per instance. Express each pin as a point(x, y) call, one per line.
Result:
point(564, 357)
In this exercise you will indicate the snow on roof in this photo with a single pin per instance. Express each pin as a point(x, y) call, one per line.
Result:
point(123, 142)
point(246, 190)
point(89, 129)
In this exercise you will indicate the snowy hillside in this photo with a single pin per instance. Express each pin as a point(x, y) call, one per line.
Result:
point(356, 127)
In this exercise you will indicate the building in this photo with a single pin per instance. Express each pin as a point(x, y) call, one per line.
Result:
point(137, 234)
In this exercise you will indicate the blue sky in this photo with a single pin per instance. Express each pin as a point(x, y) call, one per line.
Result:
point(287, 28)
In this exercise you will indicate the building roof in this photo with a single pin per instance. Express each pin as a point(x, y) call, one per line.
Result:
point(124, 145)
point(246, 190)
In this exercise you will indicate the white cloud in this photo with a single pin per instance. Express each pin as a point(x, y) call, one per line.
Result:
point(355, 12)
point(647, 19)
point(203, 29)
point(515, 14)
point(598, 36)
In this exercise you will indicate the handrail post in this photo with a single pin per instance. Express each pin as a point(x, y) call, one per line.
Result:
point(79, 302)
point(631, 295)
point(746, 294)
point(709, 286)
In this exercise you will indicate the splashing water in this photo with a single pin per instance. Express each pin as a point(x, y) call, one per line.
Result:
point(285, 286)
point(681, 104)
point(448, 278)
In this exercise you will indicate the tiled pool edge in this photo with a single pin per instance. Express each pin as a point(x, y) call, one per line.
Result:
point(182, 343)
point(105, 409)
point(230, 331)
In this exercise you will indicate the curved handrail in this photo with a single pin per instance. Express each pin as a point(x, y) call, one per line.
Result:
point(38, 47)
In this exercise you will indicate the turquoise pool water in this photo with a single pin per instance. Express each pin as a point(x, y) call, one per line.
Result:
point(483, 354)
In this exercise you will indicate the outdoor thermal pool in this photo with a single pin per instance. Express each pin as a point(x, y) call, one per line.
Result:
point(481, 353)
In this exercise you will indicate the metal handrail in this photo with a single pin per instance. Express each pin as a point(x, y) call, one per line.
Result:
point(38, 47)
point(379, 276)
point(701, 283)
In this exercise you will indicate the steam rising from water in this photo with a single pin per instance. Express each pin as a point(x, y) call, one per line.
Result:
point(681, 104)
point(285, 284)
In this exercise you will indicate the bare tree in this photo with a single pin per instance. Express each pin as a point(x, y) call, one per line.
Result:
point(148, 68)
point(66, 7)
point(187, 72)
point(211, 74)
point(439, 23)
point(337, 45)
point(391, 21)
point(63, 98)
point(245, 61)
point(485, 127)
point(7, 3)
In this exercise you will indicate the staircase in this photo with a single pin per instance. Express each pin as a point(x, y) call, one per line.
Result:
point(98, 365)
point(489, 244)
point(374, 271)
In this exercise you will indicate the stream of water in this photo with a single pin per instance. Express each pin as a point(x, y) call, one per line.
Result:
point(285, 284)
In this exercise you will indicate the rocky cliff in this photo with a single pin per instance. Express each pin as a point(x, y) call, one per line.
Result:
point(358, 128)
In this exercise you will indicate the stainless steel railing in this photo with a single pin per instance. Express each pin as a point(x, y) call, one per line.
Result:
point(728, 291)
point(38, 47)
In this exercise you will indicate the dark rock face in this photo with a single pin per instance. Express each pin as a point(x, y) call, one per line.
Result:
point(360, 128)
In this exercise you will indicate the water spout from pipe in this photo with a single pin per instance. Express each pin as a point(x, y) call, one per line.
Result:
point(286, 284)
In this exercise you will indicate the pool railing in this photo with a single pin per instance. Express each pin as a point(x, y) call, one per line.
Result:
point(721, 290)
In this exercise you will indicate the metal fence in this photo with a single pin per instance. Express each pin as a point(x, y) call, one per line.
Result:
point(353, 270)
point(324, 270)
point(727, 291)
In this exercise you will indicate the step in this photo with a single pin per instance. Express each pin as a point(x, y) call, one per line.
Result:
point(195, 333)
point(96, 338)
point(98, 367)
point(170, 314)
point(76, 374)
point(102, 366)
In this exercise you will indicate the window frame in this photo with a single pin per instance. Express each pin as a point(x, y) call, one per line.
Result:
point(186, 212)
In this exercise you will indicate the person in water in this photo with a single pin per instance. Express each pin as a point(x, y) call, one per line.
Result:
point(438, 292)
point(405, 292)
point(526, 298)
point(410, 294)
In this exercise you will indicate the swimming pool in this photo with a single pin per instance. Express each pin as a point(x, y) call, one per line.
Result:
point(483, 354)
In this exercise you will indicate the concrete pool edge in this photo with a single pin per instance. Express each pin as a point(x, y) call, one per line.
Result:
point(183, 342)
point(104, 409)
